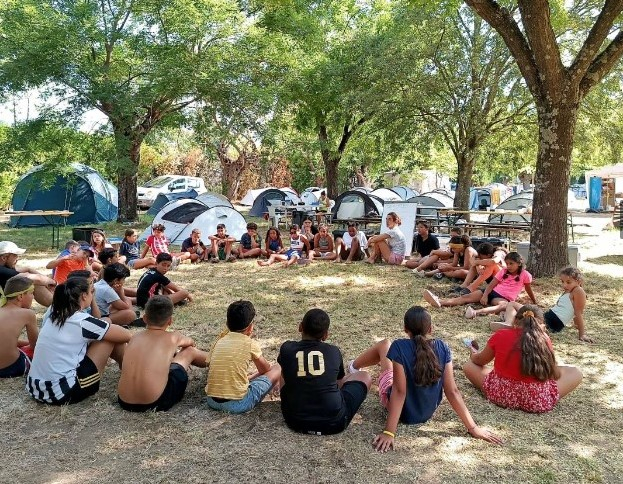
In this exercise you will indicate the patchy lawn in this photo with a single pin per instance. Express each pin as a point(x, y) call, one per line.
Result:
point(95, 441)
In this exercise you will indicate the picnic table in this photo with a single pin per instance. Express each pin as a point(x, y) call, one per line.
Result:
point(54, 218)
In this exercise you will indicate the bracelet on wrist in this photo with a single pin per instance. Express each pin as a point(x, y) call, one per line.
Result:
point(391, 434)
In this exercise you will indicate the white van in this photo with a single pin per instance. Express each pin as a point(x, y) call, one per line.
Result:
point(147, 193)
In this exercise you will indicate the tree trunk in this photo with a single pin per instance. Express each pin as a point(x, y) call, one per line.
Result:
point(128, 147)
point(548, 235)
point(465, 162)
point(331, 162)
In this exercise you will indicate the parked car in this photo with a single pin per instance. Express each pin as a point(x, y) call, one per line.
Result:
point(148, 192)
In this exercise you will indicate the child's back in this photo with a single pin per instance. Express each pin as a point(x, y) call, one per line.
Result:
point(316, 396)
point(153, 376)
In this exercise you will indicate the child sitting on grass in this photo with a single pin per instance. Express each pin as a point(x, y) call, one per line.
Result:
point(15, 316)
point(110, 296)
point(222, 245)
point(229, 388)
point(316, 396)
point(415, 373)
point(250, 243)
point(157, 242)
point(131, 248)
point(156, 361)
point(77, 259)
point(154, 281)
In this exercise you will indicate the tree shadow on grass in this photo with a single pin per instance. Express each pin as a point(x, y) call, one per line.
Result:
point(607, 259)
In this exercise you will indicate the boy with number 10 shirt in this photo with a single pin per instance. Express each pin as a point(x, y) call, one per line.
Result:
point(316, 396)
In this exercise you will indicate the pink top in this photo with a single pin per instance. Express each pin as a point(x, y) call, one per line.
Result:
point(158, 245)
point(508, 287)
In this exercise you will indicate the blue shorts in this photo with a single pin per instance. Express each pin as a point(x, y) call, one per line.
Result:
point(494, 295)
point(258, 388)
point(130, 263)
point(293, 252)
point(19, 368)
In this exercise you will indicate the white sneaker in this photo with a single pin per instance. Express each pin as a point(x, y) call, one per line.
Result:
point(431, 299)
point(418, 273)
point(351, 368)
point(470, 313)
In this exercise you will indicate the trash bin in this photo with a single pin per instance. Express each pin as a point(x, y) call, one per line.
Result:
point(82, 233)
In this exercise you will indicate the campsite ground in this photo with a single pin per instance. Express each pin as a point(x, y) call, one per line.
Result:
point(579, 441)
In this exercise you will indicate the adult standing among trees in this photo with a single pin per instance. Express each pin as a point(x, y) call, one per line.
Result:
point(558, 91)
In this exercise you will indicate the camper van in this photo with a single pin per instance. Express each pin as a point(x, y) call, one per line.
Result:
point(147, 193)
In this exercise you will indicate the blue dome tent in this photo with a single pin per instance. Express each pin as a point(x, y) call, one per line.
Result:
point(163, 198)
point(81, 190)
point(271, 196)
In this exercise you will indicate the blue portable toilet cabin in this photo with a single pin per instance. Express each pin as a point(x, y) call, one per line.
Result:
point(81, 190)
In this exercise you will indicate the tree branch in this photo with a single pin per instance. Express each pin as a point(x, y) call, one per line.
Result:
point(602, 64)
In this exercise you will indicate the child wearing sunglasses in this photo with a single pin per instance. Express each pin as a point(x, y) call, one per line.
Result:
point(506, 285)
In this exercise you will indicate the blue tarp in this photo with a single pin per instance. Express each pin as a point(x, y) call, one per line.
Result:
point(82, 190)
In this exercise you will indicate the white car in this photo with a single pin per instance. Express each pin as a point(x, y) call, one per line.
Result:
point(147, 193)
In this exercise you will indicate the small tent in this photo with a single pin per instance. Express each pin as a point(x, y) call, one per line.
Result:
point(212, 199)
point(430, 202)
point(251, 195)
point(405, 193)
point(479, 198)
point(163, 198)
point(272, 196)
point(386, 195)
point(311, 195)
point(81, 190)
point(356, 204)
point(361, 189)
point(181, 216)
point(522, 202)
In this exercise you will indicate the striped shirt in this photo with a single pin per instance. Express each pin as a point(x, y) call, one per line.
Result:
point(229, 363)
point(59, 352)
point(158, 244)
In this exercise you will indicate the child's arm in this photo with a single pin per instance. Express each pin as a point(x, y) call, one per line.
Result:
point(182, 341)
point(578, 299)
point(528, 288)
point(467, 260)
point(144, 251)
point(57, 262)
point(95, 310)
point(261, 364)
point(331, 245)
point(458, 405)
point(117, 334)
point(482, 357)
point(32, 330)
point(175, 288)
point(384, 441)
point(485, 296)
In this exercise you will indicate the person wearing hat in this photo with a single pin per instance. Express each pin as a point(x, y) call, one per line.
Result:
point(9, 254)
point(76, 260)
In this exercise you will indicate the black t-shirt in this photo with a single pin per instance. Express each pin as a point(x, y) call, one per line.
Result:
point(188, 244)
point(150, 284)
point(425, 247)
point(311, 370)
point(5, 274)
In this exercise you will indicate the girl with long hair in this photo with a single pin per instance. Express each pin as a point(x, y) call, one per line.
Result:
point(525, 375)
point(415, 373)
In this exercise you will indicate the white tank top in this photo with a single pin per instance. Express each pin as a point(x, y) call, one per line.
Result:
point(297, 244)
point(564, 309)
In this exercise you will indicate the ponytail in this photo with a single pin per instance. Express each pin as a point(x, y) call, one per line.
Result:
point(66, 299)
point(426, 369)
point(537, 357)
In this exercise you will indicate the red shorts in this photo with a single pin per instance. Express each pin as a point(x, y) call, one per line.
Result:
point(386, 380)
point(534, 397)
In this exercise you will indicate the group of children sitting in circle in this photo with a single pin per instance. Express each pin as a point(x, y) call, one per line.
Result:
point(84, 327)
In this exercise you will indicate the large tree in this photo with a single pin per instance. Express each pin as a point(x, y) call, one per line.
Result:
point(137, 61)
point(558, 77)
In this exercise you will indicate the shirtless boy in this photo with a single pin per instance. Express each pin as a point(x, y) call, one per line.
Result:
point(15, 315)
point(153, 376)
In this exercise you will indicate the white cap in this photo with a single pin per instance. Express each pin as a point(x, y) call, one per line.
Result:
point(7, 247)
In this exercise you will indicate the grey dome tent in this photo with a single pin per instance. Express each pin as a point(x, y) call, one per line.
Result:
point(163, 198)
point(81, 190)
point(522, 201)
point(181, 216)
point(429, 201)
point(212, 199)
point(387, 195)
point(272, 196)
point(356, 204)
point(404, 192)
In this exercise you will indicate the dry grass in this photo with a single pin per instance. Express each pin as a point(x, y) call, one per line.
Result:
point(95, 441)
